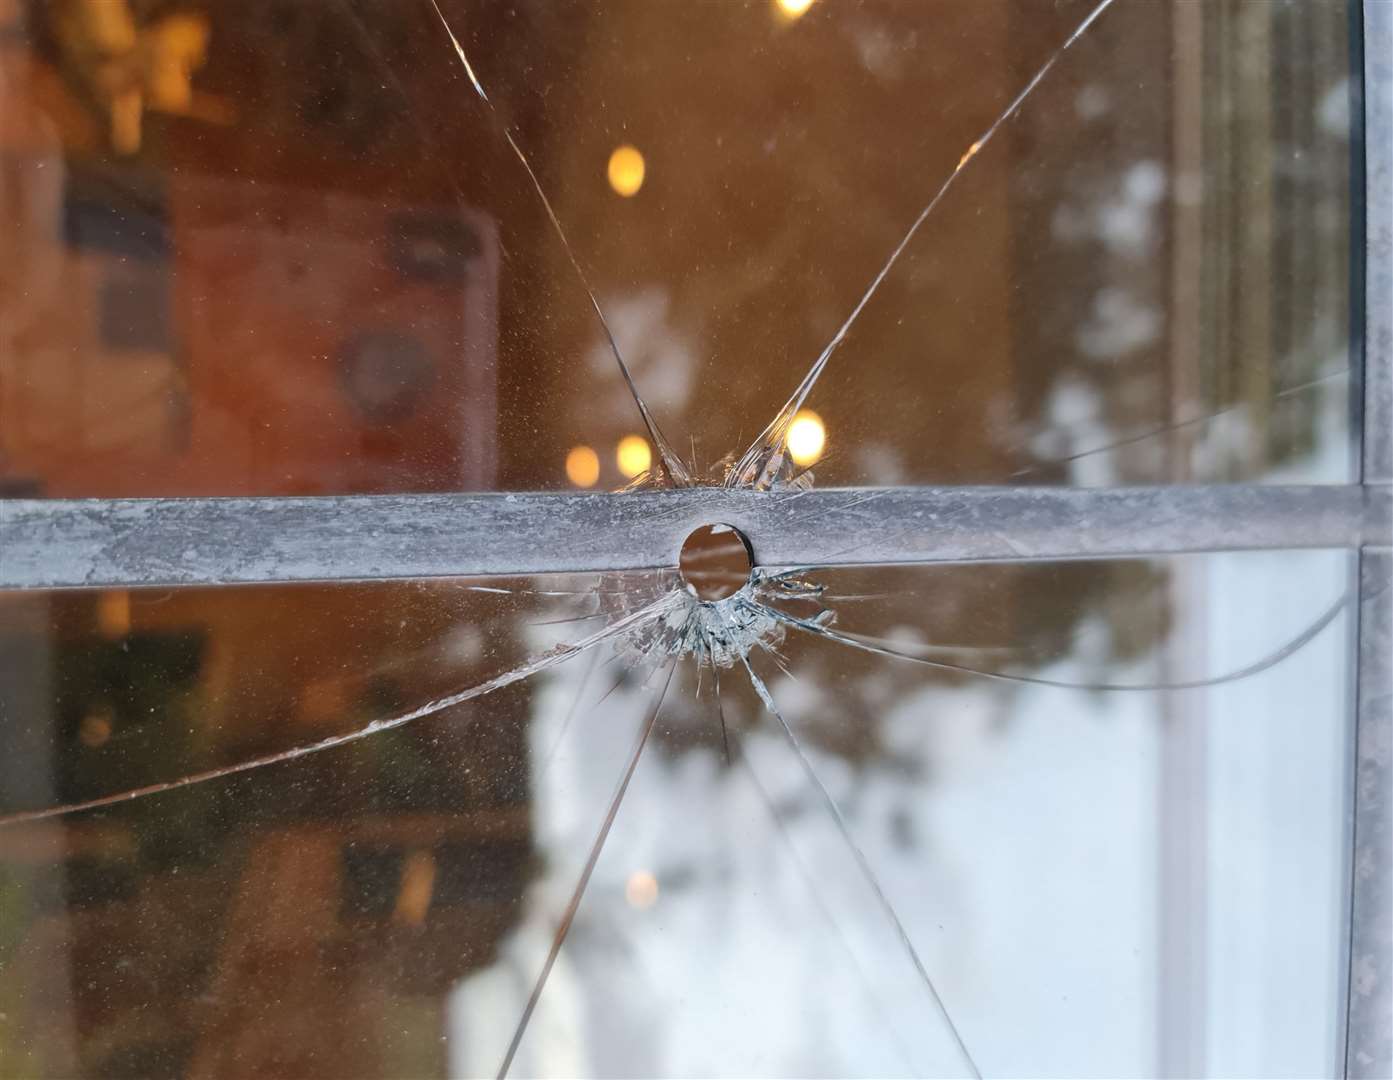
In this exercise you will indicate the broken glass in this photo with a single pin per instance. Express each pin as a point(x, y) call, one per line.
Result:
point(299, 254)
point(817, 860)
point(1049, 819)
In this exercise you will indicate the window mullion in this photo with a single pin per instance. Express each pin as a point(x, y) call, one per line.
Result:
point(1368, 1038)
point(135, 542)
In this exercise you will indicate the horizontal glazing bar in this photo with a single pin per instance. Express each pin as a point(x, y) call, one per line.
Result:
point(136, 542)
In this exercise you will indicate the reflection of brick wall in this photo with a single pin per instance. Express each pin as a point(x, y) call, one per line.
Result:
point(225, 337)
point(89, 371)
point(349, 346)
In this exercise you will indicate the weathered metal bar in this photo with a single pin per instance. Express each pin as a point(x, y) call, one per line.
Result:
point(1369, 1034)
point(1368, 1031)
point(1377, 367)
point(137, 542)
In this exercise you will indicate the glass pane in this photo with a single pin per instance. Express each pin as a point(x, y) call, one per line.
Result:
point(1094, 882)
point(283, 246)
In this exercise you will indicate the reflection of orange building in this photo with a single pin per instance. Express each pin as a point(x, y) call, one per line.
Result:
point(185, 327)
point(391, 316)
point(210, 288)
point(224, 337)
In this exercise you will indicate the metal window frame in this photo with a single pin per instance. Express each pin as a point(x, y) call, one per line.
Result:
point(1369, 996)
point(120, 543)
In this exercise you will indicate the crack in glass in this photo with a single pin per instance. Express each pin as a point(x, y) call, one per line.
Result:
point(666, 622)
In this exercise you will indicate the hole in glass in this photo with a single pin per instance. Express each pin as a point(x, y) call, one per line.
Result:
point(715, 561)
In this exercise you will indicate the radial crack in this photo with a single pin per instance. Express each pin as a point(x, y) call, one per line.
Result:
point(863, 864)
point(1179, 425)
point(811, 885)
point(856, 641)
point(550, 658)
point(674, 472)
point(765, 458)
point(568, 916)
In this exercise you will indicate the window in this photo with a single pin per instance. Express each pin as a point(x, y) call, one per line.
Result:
point(364, 370)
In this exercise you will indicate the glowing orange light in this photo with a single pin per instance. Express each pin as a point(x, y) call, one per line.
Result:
point(95, 729)
point(626, 171)
point(417, 885)
point(633, 455)
point(807, 437)
point(114, 613)
point(793, 9)
point(582, 466)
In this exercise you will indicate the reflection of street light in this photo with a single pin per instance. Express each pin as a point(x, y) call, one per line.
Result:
point(807, 437)
point(582, 466)
point(793, 9)
point(417, 884)
point(95, 729)
point(626, 171)
point(633, 455)
point(114, 613)
point(641, 890)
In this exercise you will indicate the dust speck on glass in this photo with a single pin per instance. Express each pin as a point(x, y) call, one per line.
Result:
point(1048, 818)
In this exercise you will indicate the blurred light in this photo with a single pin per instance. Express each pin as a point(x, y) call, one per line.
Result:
point(633, 455)
point(641, 890)
point(95, 729)
point(322, 702)
point(417, 884)
point(114, 613)
point(806, 437)
point(133, 65)
point(176, 46)
point(626, 171)
point(582, 466)
point(793, 9)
